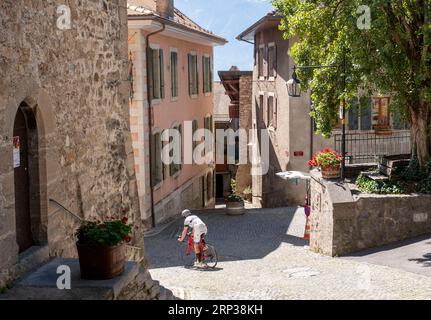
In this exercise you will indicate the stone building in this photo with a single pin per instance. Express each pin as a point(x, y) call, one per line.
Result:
point(64, 126)
point(372, 131)
point(173, 89)
point(238, 87)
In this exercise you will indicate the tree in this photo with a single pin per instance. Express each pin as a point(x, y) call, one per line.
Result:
point(392, 56)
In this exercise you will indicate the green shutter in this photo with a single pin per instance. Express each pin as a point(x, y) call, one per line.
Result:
point(197, 74)
point(162, 74)
point(204, 74)
point(150, 72)
point(211, 74)
point(189, 58)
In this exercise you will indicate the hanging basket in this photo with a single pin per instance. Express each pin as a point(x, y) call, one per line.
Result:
point(330, 172)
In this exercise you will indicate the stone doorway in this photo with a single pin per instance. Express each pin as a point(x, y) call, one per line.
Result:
point(26, 178)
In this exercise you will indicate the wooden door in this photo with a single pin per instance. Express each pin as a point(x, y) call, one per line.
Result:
point(22, 190)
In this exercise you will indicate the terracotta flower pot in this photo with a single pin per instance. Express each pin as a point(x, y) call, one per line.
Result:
point(330, 172)
point(101, 263)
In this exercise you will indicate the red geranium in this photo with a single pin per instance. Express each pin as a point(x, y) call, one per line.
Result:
point(325, 158)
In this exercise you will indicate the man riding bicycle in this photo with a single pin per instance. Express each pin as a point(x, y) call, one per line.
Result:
point(199, 230)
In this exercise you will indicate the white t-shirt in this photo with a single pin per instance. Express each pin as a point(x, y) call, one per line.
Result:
point(193, 222)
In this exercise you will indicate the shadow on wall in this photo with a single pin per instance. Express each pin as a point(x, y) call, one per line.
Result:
point(248, 237)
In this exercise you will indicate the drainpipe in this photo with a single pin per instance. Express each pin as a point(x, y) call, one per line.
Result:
point(150, 124)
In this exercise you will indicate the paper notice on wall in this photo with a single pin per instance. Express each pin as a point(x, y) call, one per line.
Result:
point(16, 153)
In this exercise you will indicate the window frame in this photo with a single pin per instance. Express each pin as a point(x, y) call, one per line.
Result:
point(272, 67)
point(157, 81)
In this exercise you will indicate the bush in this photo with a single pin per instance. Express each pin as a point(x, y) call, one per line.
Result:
point(368, 185)
point(107, 234)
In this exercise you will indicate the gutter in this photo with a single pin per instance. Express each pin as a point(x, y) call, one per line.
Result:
point(150, 122)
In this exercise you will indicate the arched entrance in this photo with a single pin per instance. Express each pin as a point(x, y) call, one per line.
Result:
point(26, 177)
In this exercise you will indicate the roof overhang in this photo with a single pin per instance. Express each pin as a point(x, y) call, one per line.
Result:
point(267, 22)
point(153, 23)
point(230, 81)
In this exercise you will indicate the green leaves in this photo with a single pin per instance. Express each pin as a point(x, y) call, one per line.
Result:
point(105, 234)
point(393, 57)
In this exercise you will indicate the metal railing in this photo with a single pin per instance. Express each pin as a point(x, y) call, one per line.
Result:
point(364, 147)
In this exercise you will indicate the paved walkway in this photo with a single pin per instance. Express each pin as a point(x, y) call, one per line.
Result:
point(412, 255)
point(263, 257)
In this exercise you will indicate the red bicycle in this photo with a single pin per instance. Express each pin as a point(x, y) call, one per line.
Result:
point(209, 253)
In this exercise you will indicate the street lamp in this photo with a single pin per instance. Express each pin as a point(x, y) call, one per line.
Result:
point(294, 85)
point(294, 90)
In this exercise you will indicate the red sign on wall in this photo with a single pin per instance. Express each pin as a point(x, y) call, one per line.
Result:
point(298, 153)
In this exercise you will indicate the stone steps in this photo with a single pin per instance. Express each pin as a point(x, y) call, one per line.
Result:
point(41, 284)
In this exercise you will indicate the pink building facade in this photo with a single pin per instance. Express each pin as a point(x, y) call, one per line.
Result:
point(172, 89)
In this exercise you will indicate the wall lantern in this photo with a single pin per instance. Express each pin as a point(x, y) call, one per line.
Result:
point(294, 85)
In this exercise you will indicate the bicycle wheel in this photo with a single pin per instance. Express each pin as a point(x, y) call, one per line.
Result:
point(210, 256)
point(187, 260)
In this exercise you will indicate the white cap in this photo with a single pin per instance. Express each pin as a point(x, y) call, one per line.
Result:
point(186, 213)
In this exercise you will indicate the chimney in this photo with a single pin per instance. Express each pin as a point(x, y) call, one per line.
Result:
point(165, 8)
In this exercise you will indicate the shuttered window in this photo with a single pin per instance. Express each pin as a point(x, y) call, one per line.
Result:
point(208, 133)
point(174, 74)
point(207, 74)
point(272, 60)
point(175, 165)
point(272, 112)
point(156, 74)
point(193, 74)
point(260, 61)
point(156, 160)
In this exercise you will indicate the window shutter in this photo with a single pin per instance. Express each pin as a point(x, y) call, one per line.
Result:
point(204, 74)
point(275, 61)
point(189, 58)
point(275, 113)
point(162, 74)
point(265, 62)
point(211, 74)
point(353, 115)
point(197, 74)
point(150, 72)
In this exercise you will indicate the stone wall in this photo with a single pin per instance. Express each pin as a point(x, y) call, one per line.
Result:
point(243, 174)
point(343, 222)
point(74, 83)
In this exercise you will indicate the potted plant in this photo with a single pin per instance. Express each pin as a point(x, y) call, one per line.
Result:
point(248, 193)
point(101, 248)
point(328, 161)
point(234, 202)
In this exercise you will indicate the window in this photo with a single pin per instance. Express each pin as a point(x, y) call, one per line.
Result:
point(359, 114)
point(156, 74)
point(272, 112)
point(176, 151)
point(194, 129)
point(272, 60)
point(381, 112)
point(174, 74)
point(193, 74)
point(261, 113)
point(260, 61)
point(207, 73)
point(208, 124)
point(156, 159)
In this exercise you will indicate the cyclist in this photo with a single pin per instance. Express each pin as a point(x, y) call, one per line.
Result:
point(199, 230)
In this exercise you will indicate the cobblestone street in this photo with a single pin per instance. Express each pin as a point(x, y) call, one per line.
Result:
point(262, 256)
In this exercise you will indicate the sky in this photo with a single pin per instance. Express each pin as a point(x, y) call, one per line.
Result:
point(227, 18)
